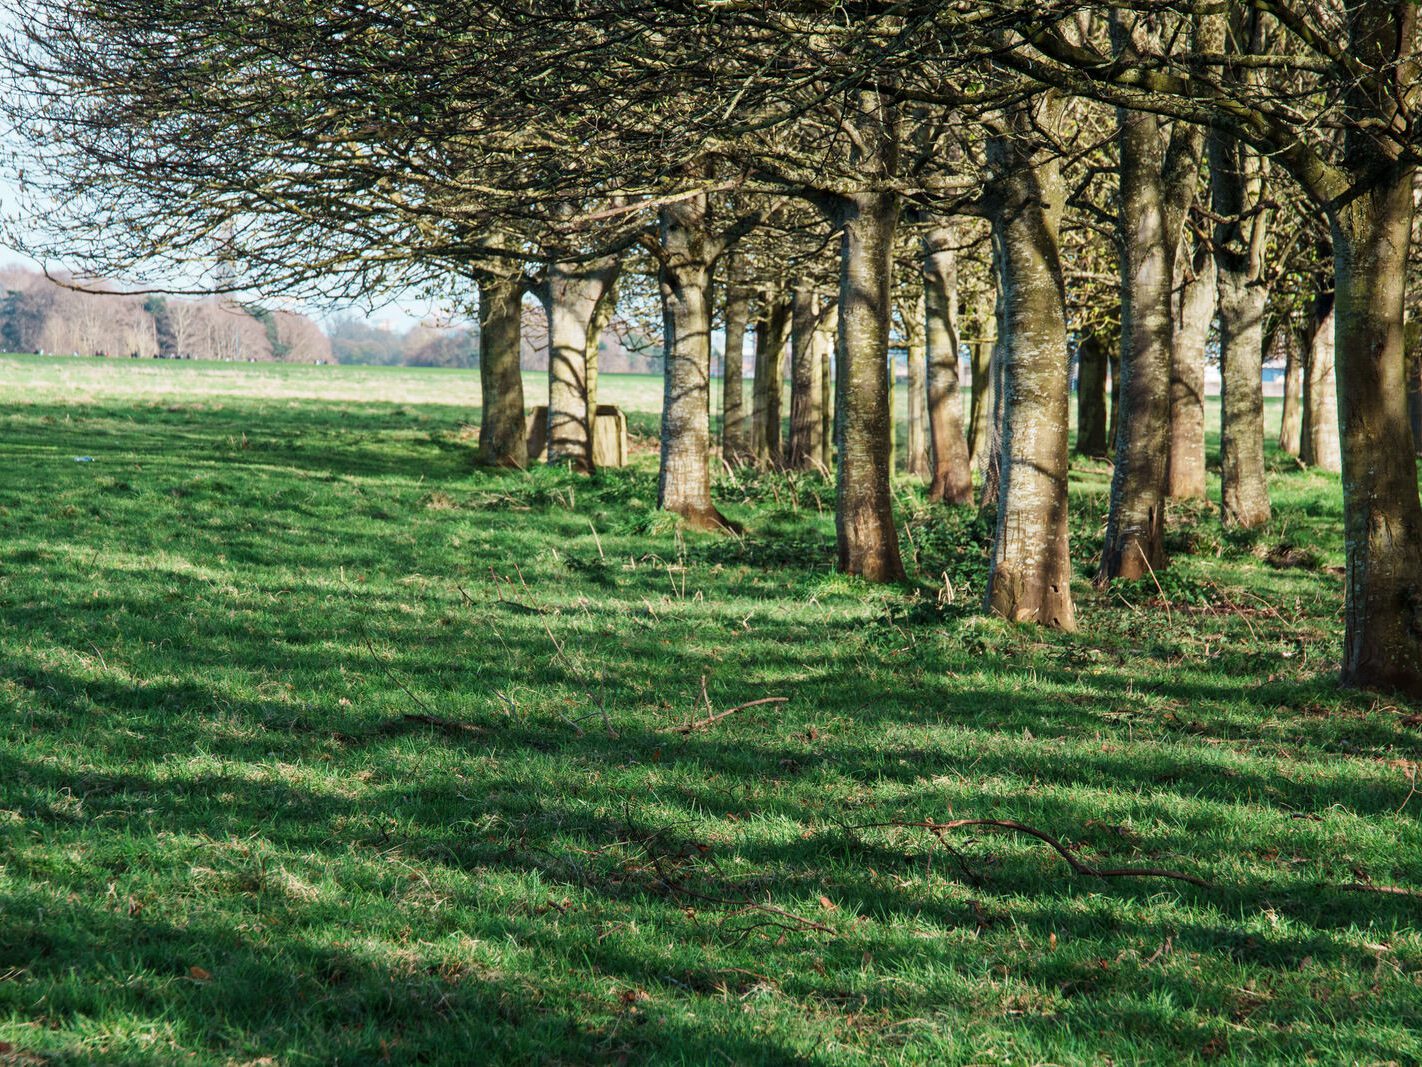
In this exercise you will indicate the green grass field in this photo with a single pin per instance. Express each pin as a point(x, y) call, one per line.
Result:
point(321, 745)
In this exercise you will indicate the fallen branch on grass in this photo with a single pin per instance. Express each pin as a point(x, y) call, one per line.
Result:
point(938, 829)
point(711, 720)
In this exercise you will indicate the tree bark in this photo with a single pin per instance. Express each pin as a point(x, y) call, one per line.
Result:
point(1236, 187)
point(825, 340)
point(949, 466)
point(1382, 518)
point(980, 406)
point(806, 446)
point(503, 441)
point(867, 542)
point(735, 444)
point(1319, 444)
point(1291, 423)
point(684, 486)
point(571, 296)
point(1030, 579)
point(1135, 528)
point(915, 439)
point(1091, 363)
point(770, 337)
point(1195, 308)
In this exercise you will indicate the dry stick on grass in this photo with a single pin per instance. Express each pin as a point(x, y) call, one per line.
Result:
point(702, 724)
point(938, 829)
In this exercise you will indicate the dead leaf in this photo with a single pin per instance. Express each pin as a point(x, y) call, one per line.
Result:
point(199, 974)
point(828, 904)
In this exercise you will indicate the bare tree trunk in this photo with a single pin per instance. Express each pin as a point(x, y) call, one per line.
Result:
point(915, 438)
point(1291, 424)
point(1195, 308)
point(735, 444)
point(950, 467)
point(684, 486)
point(770, 337)
point(1412, 357)
point(825, 341)
point(980, 407)
point(992, 453)
point(602, 315)
point(571, 296)
point(1236, 186)
point(1030, 580)
point(502, 438)
point(1382, 644)
point(868, 543)
point(1091, 365)
point(1319, 441)
point(1135, 527)
point(807, 420)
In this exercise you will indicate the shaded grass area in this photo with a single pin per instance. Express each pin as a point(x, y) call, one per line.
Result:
point(322, 745)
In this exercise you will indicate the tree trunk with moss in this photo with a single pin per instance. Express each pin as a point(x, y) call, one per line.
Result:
point(688, 253)
point(1236, 187)
point(1135, 528)
point(1030, 579)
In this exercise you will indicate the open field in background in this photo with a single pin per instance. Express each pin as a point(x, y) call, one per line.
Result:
point(84, 380)
point(320, 745)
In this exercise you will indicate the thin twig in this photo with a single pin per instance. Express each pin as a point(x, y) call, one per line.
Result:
point(940, 828)
point(702, 724)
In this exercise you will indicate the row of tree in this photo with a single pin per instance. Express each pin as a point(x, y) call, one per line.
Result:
point(1116, 180)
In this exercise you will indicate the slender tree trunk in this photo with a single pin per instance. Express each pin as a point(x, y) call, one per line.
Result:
point(949, 465)
point(992, 453)
point(1320, 444)
point(1382, 643)
point(825, 341)
point(1091, 396)
point(1030, 580)
point(735, 443)
point(1236, 186)
point(1291, 423)
point(602, 315)
point(502, 438)
point(1135, 527)
point(916, 438)
point(868, 543)
point(806, 446)
point(980, 407)
point(1195, 307)
point(684, 486)
point(1414, 362)
point(770, 336)
point(1113, 420)
point(571, 297)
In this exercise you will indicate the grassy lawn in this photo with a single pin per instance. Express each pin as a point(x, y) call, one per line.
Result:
point(322, 746)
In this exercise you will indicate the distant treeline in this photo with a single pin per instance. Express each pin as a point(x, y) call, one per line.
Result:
point(37, 315)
